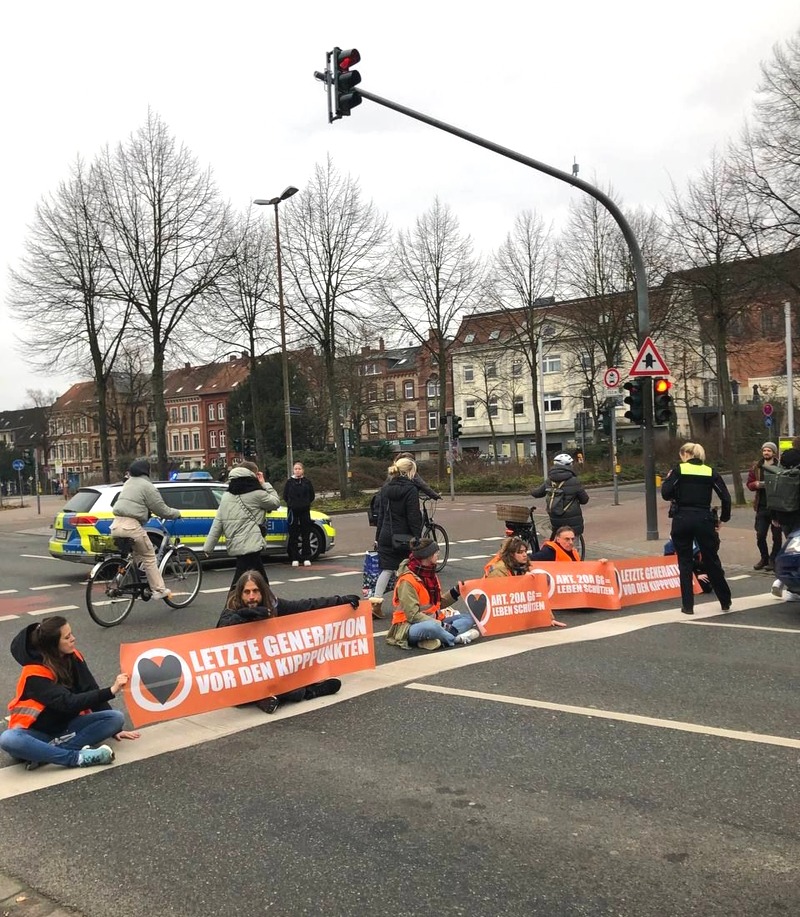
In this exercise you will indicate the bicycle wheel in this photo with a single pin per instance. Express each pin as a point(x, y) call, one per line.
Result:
point(439, 535)
point(182, 576)
point(108, 605)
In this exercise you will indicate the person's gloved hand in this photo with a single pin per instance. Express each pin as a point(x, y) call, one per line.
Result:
point(455, 591)
point(352, 600)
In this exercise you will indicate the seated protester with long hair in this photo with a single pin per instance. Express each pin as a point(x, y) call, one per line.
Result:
point(253, 600)
point(511, 560)
point(59, 711)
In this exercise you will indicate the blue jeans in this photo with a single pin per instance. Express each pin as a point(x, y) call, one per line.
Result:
point(88, 729)
point(433, 630)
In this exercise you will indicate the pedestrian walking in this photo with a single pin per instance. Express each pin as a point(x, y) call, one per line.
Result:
point(689, 487)
point(765, 522)
point(298, 495)
point(399, 519)
point(564, 495)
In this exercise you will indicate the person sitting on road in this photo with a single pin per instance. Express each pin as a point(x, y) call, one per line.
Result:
point(511, 560)
point(418, 619)
point(561, 547)
point(137, 501)
point(240, 517)
point(59, 712)
point(564, 495)
point(253, 600)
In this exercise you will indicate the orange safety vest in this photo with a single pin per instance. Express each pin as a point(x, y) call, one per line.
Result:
point(24, 713)
point(423, 596)
point(561, 554)
point(488, 567)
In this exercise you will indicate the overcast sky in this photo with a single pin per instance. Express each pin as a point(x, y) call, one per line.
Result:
point(639, 93)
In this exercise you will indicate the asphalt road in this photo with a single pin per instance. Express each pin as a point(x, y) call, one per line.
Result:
point(637, 763)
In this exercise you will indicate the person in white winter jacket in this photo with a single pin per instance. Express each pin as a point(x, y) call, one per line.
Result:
point(240, 517)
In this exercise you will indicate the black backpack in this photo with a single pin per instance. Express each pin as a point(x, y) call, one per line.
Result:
point(782, 488)
point(556, 500)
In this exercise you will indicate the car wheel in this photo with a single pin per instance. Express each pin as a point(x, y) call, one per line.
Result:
point(316, 541)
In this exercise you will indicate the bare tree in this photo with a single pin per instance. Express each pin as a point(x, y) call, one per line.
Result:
point(333, 245)
point(164, 240)
point(435, 277)
point(64, 276)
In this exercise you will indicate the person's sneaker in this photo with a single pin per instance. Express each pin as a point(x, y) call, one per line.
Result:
point(467, 637)
point(761, 565)
point(166, 594)
point(770, 566)
point(687, 611)
point(268, 704)
point(726, 608)
point(377, 606)
point(306, 563)
point(89, 757)
point(777, 589)
point(33, 765)
point(323, 688)
point(295, 563)
point(429, 645)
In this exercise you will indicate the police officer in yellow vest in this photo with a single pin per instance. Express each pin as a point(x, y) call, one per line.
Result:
point(689, 486)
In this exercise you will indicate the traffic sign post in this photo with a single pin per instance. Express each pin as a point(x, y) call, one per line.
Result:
point(649, 361)
point(611, 377)
point(767, 410)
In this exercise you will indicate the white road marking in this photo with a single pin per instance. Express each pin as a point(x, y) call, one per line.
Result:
point(49, 611)
point(9, 617)
point(731, 579)
point(467, 541)
point(220, 589)
point(305, 579)
point(476, 556)
point(595, 713)
point(775, 630)
point(8, 591)
point(347, 573)
point(38, 556)
point(52, 586)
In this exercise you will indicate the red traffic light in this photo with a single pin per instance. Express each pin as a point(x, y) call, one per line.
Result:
point(662, 386)
point(347, 59)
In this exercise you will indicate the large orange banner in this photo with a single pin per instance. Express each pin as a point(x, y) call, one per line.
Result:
point(194, 673)
point(648, 579)
point(503, 605)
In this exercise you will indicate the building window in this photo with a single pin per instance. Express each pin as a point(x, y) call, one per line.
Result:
point(83, 424)
point(408, 391)
point(185, 442)
point(433, 420)
point(96, 450)
point(211, 415)
point(494, 334)
point(586, 360)
point(516, 368)
point(469, 374)
point(221, 411)
point(372, 394)
point(519, 405)
point(469, 408)
point(552, 404)
point(195, 440)
point(388, 392)
point(222, 439)
point(469, 338)
point(410, 422)
point(552, 363)
point(84, 449)
point(374, 427)
point(175, 442)
point(184, 414)
point(491, 370)
point(391, 423)
point(433, 388)
point(212, 439)
point(195, 413)
point(493, 406)
point(371, 369)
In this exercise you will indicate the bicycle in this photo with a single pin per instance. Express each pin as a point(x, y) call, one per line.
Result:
point(520, 521)
point(431, 529)
point(116, 581)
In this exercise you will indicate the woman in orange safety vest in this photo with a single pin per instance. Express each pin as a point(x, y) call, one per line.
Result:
point(59, 712)
point(511, 560)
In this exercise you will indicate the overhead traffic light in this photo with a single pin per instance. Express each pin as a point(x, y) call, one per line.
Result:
point(237, 445)
point(456, 427)
point(662, 401)
point(605, 417)
point(249, 448)
point(635, 399)
point(345, 98)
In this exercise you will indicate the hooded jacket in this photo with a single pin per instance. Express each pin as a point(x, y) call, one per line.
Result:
point(398, 514)
point(61, 703)
point(574, 497)
point(139, 498)
point(298, 493)
point(241, 512)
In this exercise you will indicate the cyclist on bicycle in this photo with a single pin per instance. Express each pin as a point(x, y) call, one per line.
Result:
point(564, 495)
point(137, 501)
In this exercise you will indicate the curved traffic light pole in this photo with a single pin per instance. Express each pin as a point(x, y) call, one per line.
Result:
point(640, 274)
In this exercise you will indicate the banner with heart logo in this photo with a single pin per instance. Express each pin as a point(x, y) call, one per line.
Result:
point(208, 669)
point(507, 604)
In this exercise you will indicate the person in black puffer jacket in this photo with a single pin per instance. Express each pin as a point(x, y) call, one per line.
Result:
point(398, 515)
point(298, 494)
point(561, 477)
point(253, 600)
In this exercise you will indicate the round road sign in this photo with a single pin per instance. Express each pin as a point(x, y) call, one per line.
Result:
point(18, 464)
point(767, 409)
point(611, 377)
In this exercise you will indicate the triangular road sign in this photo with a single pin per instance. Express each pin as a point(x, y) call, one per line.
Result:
point(649, 361)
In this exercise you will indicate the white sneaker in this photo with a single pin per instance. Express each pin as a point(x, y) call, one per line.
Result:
point(295, 563)
point(166, 594)
point(777, 589)
point(467, 637)
point(306, 563)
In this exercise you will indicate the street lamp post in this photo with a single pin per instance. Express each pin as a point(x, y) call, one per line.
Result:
point(287, 404)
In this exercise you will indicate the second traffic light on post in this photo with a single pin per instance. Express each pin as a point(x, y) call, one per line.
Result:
point(635, 400)
point(662, 401)
point(345, 98)
point(456, 433)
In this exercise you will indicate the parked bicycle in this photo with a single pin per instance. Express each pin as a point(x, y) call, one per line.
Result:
point(116, 581)
point(431, 529)
point(521, 521)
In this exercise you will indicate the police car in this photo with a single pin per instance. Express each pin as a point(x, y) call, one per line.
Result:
point(81, 531)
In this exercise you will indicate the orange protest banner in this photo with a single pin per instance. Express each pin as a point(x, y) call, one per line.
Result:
point(194, 673)
point(503, 605)
point(580, 584)
point(648, 579)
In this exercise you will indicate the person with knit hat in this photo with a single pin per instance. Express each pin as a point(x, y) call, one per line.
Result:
point(764, 516)
point(418, 619)
point(137, 501)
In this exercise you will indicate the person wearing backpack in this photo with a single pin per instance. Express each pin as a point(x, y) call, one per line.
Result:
point(764, 515)
point(564, 495)
point(689, 487)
